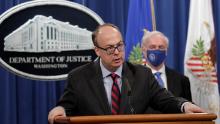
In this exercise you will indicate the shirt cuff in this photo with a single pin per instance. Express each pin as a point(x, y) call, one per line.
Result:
point(183, 107)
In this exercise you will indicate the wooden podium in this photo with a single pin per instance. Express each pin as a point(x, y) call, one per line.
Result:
point(141, 118)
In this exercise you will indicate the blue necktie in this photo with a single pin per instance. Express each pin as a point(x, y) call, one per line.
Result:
point(159, 79)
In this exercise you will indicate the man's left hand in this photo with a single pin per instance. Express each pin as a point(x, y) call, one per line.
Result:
point(192, 108)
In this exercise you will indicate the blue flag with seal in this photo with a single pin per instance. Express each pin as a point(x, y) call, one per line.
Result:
point(140, 17)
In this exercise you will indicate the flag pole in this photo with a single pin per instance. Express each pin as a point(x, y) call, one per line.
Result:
point(153, 14)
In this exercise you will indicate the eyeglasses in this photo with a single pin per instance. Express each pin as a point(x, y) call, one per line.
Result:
point(111, 50)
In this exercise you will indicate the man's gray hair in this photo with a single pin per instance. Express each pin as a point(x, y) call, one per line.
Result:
point(147, 35)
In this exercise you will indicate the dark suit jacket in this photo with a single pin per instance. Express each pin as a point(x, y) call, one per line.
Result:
point(177, 84)
point(85, 93)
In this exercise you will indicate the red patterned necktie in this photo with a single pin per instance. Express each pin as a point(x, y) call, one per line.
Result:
point(115, 95)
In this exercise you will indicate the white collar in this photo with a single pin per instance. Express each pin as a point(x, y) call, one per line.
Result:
point(161, 70)
point(106, 72)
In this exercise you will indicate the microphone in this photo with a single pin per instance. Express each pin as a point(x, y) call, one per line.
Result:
point(129, 96)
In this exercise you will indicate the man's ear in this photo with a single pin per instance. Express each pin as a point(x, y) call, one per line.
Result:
point(143, 48)
point(97, 51)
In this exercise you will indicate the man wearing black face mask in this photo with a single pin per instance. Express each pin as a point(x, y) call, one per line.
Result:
point(154, 48)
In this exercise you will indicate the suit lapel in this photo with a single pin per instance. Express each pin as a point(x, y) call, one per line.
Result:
point(170, 79)
point(127, 81)
point(97, 85)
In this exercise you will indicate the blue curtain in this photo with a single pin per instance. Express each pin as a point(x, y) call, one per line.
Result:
point(24, 101)
point(216, 11)
point(172, 20)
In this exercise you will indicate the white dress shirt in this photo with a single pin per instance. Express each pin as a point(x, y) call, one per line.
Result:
point(108, 80)
point(163, 74)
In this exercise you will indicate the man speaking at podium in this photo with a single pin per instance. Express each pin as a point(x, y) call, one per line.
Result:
point(110, 85)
